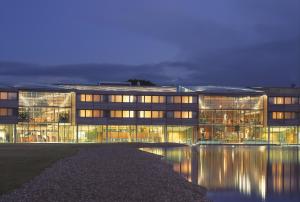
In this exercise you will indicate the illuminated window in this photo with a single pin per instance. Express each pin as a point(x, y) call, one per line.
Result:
point(82, 113)
point(128, 98)
point(287, 100)
point(88, 98)
point(3, 96)
point(82, 97)
point(97, 98)
point(116, 114)
point(187, 99)
point(97, 113)
point(88, 113)
point(147, 99)
point(157, 114)
point(115, 98)
point(3, 112)
point(177, 114)
point(177, 99)
point(128, 114)
point(186, 115)
point(277, 115)
point(279, 100)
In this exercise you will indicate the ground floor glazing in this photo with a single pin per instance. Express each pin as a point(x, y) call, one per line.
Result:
point(66, 133)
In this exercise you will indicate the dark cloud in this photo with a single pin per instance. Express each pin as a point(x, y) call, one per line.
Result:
point(229, 42)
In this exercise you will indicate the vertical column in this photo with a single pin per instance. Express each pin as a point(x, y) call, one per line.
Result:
point(136, 132)
point(268, 134)
point(77, 133)
point(106, 133)
point(166, 133)
point(15, 133)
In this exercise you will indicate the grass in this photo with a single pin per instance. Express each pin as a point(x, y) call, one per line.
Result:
point(21, 162)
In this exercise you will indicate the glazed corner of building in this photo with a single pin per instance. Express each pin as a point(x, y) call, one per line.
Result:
point(119, 112)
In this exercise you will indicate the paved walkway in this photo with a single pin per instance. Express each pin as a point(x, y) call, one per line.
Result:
point(108, 173)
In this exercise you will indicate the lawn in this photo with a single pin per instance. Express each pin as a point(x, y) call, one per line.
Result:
point(20, 162)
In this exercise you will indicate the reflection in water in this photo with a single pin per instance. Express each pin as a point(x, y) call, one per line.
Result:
point(261, 172)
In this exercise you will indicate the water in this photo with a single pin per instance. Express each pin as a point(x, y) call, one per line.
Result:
point(240, 173)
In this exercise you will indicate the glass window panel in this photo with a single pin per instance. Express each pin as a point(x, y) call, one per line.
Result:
point(97, 113)
point(287, 100)
point(3, 112)
point(294, 100)
point(88, 113)
point(3, 95)
point(170, 114)
point(12, 95)
point(141, 114)
point(177, 114)
point(155, 99)
point(82, 113)
point(82, 97)
point(177, 99)
point(97, 98)
point(186, 99)
point(147, 99)
point(147, 114)
point(162, 99)
point(279, 100)
point(89, 98)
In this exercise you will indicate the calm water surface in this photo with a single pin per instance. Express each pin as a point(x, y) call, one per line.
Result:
point(240, 173)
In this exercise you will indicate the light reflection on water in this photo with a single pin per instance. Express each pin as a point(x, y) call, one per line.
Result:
point(241, 173)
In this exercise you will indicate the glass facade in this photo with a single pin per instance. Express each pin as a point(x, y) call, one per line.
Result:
point(283, 134)
point(45, 117)
point(91, 133)
point(6, 133)
point(231, 119)
point(180, 134)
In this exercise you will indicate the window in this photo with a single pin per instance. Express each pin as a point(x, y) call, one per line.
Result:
point(187, 99)
point(278, 100)
point(177, 99)
point(294, 100)
point(157, 114)
point(128, 114)
point(277, 115)
point(128, 98)
point(87, 113)
point(177, 114)
point(183, 115)
point(6, 112)
point(287, 100)
point(82, 97)
point(144, 114)
point(97, 98)
point(115, 98)
point(289, 115)
point(12, 96)
point(3, 96)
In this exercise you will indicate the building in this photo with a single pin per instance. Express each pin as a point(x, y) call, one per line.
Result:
point(119, 112)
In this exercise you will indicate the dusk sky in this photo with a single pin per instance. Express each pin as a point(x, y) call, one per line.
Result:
point(191, 42)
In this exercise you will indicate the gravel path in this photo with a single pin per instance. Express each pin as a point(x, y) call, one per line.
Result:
point(108, 173)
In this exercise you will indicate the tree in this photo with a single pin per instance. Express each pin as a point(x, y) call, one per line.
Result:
point(139, 82)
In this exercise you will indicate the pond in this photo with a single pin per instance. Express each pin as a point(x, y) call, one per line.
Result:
point(239, 173)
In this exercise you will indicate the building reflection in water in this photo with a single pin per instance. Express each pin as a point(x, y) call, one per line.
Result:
point(249, 170)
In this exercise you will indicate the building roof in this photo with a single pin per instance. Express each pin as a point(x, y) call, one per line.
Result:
point(220, 90)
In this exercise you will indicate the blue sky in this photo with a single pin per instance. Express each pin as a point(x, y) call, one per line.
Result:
point(230, 42)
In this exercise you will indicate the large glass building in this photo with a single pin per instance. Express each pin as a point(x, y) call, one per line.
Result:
point(107, 113)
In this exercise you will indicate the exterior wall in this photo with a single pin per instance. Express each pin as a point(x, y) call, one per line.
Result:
point(54, 115)
point(231, 119)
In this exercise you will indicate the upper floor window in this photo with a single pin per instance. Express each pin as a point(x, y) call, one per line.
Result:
point(122, 98)
point(88, 113)
point(181, 114)
point(182, 99)
point(6, 112)
point(283, 100)
point(283, 115)
point(151, 114)
point(90, 98)
point(151, 99)
point(8, 95)
point(122, 114)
